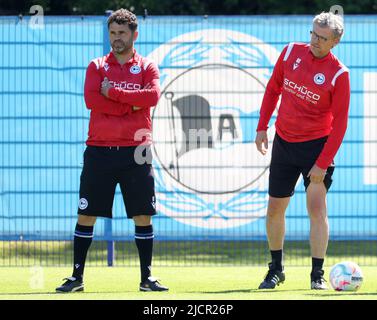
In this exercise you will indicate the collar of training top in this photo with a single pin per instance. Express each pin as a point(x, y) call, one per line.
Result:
point(134, 60)
point(325, 58)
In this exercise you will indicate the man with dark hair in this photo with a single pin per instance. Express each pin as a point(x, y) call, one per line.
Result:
point(120, 88)
point(311, 123)
point(123, 16)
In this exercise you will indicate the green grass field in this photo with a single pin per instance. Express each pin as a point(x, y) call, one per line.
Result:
point(185, 283)
point(183, 253)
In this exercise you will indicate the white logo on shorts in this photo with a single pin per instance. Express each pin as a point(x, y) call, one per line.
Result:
point(83, 203)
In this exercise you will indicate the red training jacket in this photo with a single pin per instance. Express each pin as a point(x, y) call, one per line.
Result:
point(315, 96)
point(112, 120)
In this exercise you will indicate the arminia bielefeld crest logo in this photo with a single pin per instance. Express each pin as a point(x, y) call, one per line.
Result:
point(207, 169)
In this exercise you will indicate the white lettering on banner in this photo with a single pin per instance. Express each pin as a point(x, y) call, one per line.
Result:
point(337, 9)
point(126, 85)
point(37, 19)
point(301, 91)
point(370, 127)
point(204, 174)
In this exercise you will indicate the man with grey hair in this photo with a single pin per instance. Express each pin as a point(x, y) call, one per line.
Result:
point(311, 123)
point(329, 19)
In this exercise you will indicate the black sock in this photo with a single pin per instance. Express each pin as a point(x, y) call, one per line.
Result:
point(317, 264)
point(144, 243)
point(81, 243)
point(277, 259)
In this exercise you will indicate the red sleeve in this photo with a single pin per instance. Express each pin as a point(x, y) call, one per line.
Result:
point(340, 107)
point(272, 93)
point(144, 98)
point(95, 101)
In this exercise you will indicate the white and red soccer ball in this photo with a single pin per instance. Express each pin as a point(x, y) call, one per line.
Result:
point(346, 276)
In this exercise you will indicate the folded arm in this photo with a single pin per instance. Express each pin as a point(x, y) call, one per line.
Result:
point(143, 98)
point(95, 101)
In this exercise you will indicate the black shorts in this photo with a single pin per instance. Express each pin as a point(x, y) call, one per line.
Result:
point(104, 168)
point(289, 160)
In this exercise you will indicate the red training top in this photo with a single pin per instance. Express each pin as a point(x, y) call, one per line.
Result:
point(315, 96)
point(113, 122)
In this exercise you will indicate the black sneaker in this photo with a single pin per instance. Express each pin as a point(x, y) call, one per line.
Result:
point(71, 285)
point(273, 277)
point(317, 280)
point(152, 284)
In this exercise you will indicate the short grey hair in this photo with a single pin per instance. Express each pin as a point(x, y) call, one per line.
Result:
point(331, 20)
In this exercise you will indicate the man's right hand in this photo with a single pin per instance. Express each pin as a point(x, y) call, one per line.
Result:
point(261, 141)
point(105, 86)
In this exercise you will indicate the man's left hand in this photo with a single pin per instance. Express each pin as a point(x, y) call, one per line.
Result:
point(316, 174)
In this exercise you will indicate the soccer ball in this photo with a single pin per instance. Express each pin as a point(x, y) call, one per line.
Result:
point(346, 276)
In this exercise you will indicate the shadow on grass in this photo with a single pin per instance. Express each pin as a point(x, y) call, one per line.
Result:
point(248, 291)
point(342, 294)
point(61, 294)
point(27, 293)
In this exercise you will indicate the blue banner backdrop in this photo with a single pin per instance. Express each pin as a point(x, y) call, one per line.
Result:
point(213, 74)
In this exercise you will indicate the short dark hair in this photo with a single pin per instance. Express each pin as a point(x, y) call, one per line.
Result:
point(123, 16)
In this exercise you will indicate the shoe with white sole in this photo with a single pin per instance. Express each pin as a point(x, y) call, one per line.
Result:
point(71, 285)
